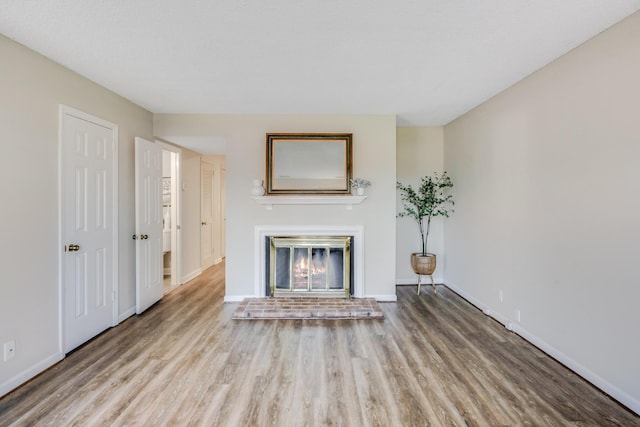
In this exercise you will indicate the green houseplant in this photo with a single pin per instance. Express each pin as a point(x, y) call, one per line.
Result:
point(428, 201)
point(360, 184)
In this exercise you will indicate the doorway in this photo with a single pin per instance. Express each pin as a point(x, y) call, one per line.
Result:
point(171, 260)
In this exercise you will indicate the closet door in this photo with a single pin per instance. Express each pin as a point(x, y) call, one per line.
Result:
point(88, 226)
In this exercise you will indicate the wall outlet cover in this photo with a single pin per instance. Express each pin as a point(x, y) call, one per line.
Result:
point(9, 350)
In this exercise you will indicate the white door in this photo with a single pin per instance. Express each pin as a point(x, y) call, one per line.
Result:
point(206, 215)
point(223, 213)
point(88, 165)
point(148, 224)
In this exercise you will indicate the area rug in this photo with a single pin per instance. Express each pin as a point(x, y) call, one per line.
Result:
point(308, 308)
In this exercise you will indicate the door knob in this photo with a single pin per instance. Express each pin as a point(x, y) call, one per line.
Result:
point(144, 236)
point(203, 223)
point(74, 248)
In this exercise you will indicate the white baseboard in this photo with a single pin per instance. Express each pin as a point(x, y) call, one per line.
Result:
point(126, 314)
point(190, 276)
point(414, 281)
point(29, 373)
point(217, 261)
point(475, 302)
point(483, 307)
point(610, 389)
point(599, 382)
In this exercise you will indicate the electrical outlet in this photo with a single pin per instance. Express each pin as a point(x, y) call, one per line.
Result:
point(500, 295)
point(518, 315)
point(9, 350)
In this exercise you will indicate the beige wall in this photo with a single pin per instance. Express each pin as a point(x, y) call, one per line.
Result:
point(32, 88)
point(419, 153)
point(374, 159)
point(547, 179)
point(190, 224)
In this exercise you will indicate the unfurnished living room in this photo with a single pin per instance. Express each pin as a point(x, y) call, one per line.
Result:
point(215, 202)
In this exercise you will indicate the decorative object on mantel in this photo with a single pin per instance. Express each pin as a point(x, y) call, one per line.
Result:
point(258, 189)
point(360, 184)
point(308, 308)
point(427, 202)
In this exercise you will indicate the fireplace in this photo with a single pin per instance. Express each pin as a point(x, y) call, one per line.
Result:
point(262, 253)
point(318, 266)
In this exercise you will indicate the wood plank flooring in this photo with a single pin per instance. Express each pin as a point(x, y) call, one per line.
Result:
point(433, 361)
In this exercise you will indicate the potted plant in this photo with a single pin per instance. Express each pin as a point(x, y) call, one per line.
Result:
point(423, 204)
point(360, 184)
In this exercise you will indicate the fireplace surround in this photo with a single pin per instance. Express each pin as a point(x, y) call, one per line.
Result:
point(263, 233)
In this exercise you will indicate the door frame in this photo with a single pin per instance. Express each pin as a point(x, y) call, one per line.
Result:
point(177, 220)
point(63, 111)
point(203, 161)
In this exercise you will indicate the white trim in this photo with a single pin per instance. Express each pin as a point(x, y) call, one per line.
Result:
point(126, 314)
point(414, 281)
point(64, 110)
point(176, 256)
point(610, 389)
point(29, 373)
point(269, 201)
point(262, 231)
point(195, 273)
point(596, 380)
point(482, 307)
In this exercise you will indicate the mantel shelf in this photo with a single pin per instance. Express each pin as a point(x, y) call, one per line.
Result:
point(348, 201)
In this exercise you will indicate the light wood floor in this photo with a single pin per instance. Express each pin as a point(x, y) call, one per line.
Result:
point(434, 360)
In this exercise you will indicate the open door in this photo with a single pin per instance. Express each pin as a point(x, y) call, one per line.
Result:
point(148, 194)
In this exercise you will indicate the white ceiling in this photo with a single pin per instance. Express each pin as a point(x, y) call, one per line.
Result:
point(427, 61)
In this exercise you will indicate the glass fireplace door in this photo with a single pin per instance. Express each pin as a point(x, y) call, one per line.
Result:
point(310, 266)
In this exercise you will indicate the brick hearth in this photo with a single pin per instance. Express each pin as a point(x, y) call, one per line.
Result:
point(308, 308)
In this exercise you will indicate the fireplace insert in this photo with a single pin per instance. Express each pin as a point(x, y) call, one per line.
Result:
point(317, 266)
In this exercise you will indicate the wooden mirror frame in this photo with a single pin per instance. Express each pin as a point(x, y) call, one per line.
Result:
point(309, 163)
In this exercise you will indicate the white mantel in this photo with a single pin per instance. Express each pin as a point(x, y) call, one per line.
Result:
point(262, 231)
point(269, 201)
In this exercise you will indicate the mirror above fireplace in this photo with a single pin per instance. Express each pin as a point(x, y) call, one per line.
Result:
point(309, 163)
